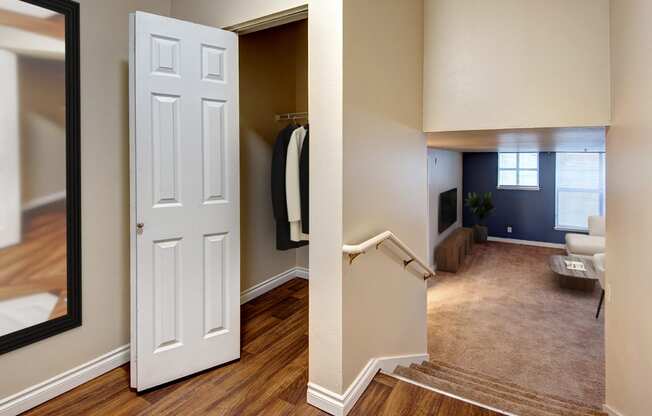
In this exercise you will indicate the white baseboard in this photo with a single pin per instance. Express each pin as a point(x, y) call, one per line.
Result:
point(49, 389)
point(526, 242)
point(340, 404)
point(44, 200)
point(273, 282)
point(611, 411)
point(302, 272)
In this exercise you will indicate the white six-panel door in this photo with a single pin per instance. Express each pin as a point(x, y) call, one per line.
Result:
point(185, 199)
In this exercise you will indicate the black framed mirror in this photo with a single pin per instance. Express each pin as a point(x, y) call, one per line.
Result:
point(40, 209)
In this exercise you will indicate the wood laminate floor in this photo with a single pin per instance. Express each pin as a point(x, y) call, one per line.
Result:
point(269, 379)
point(38, 263)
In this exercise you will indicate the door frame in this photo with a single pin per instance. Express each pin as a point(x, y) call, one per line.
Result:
point(133, 213)
point(269, 21)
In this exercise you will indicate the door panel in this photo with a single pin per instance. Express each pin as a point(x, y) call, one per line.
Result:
point(213, 150)
point(167, 295)
point(215, 252)
point(165, 149)
point(187, 254)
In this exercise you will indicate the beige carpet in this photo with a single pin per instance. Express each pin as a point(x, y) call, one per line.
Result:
point(504, 315)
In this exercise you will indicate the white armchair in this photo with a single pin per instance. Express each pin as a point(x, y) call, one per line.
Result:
point(582, 245)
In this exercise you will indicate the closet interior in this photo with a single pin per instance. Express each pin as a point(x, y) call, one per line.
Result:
point(273, 98)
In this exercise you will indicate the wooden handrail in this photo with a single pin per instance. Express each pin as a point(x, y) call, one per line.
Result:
point(354, 251)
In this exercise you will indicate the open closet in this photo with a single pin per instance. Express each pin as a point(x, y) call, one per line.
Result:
point(273, 98)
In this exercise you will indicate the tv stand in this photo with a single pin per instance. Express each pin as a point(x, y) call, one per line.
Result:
point(451, 252)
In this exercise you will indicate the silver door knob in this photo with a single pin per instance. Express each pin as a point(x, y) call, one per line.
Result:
point(139, 227)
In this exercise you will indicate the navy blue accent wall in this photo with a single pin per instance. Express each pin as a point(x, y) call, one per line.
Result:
point(530, 213)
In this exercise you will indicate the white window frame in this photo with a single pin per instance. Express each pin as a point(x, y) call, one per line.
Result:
point(601, 191)
point(518, 169)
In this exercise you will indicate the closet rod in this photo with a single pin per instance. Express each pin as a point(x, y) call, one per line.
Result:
point(291, 116)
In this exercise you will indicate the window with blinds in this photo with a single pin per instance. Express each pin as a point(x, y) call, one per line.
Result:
point(580, 189)
point(518, 171)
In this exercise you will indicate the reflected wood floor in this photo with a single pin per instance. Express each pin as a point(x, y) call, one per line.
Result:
point(38, 263)
point(269, 379)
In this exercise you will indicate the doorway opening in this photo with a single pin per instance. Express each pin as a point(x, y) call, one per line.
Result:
point(506, 326)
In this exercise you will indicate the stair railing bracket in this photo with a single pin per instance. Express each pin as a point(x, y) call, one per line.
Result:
point(353, 256)
point(407, 262)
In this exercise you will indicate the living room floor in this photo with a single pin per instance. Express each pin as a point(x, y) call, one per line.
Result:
point(503, 314)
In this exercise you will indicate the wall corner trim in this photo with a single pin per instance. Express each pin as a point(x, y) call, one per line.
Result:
point(59, 384)
point(341, 404)
point(611, 411)
point(273, 282)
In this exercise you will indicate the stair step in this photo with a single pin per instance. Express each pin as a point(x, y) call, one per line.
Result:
point(490, 391)
point(508, 394)
point(435, 368)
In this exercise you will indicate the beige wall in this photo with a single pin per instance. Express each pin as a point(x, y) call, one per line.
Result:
point(43, 128)
point(105, 201)
point(273, 79)
point(371, 173)
point(385, 180)
point(325, 79)
point(514, 63)
point(444, 173)
point(629, 150)
point(222, 13)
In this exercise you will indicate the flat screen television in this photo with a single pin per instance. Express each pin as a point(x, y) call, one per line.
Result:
point(447, 209)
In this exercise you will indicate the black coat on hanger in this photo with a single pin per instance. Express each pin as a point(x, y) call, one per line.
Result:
point(303, 184)
point(279, 196)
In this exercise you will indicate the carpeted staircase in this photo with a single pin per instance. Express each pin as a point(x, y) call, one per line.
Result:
point(493, 392)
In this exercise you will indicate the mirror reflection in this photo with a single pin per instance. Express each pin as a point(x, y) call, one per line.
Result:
point(33, 278)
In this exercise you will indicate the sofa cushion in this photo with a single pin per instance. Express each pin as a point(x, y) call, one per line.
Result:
point(586, 245)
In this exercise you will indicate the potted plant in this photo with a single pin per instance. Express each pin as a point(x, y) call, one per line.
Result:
point(481, 205)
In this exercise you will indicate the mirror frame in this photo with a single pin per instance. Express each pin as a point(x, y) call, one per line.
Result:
point(72, 319)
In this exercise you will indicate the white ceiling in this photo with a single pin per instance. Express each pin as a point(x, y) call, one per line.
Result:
point(31, 44)
point(18, 6)
point(568, 139)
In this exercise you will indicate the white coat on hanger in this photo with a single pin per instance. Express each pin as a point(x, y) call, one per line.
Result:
point(292, 184)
